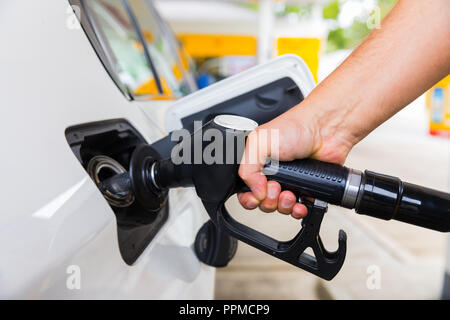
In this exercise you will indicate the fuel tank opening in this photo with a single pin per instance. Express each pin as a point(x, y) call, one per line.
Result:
point(104, 149)
point(118, 194)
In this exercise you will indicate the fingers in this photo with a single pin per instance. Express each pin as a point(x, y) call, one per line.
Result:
point(286, 202)
point(270, 203)
point(266, 195)
point(248, 200)
point(299, 211)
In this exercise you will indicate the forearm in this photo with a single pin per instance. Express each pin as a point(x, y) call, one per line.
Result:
point(395, 65)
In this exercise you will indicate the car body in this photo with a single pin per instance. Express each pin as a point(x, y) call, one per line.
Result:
point(59, 237)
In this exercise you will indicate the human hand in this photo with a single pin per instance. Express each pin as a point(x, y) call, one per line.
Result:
point(301, 134)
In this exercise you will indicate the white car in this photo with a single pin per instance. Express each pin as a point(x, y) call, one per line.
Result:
point(75, 102)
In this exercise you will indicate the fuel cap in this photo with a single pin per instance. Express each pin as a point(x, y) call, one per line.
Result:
point(235, 122)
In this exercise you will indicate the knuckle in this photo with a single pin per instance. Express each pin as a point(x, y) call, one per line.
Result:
point(243, 173)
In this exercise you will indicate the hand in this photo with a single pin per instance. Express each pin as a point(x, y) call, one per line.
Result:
point(300, 136)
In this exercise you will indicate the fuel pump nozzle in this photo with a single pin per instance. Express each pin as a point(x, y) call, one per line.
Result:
point(369, 193)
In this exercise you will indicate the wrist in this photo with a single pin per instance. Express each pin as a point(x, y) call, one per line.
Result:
point(331, 126)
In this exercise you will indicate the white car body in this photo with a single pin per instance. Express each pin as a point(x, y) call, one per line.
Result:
point(54, 223)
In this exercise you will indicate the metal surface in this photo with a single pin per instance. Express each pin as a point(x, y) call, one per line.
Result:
point(235, 122)
point(99, 163)
point(152, 176)
point(351, 188)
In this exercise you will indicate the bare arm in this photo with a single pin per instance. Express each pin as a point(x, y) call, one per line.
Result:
point(394, 65)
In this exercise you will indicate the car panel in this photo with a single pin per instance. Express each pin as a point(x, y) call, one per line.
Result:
point(53, 216)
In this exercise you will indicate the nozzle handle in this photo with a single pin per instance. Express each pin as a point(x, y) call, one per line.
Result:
point(370, 193)
point(310, 178)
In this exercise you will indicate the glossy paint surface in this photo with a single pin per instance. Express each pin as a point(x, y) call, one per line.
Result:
point(54, 223)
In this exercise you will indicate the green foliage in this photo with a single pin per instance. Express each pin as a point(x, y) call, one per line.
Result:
point(331, 10)
point(386, 6)
point(347, 38)
point(336, 40)
point(300, 10)
point(357, 32)
point(250, 6)
point(350, 37)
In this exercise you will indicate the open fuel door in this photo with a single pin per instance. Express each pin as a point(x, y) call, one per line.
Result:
point(260, 93)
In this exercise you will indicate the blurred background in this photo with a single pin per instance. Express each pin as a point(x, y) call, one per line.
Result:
point(385, 260)
point(225, 37)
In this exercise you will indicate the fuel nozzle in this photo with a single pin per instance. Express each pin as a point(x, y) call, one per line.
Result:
point(138, 182)
point(369, 193)
point(112, 180)
point(208, 160)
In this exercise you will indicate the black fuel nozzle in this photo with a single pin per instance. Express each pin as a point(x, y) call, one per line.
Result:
point(119, 185)
point(386, 197)
point(369, 193)
point(209, 161)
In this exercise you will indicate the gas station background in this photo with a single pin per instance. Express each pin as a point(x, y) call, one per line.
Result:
point(226, 37)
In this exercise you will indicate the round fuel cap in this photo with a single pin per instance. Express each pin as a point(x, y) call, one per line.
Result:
point(235, 122)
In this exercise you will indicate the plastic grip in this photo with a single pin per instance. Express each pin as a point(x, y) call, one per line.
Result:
point(310, 178)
